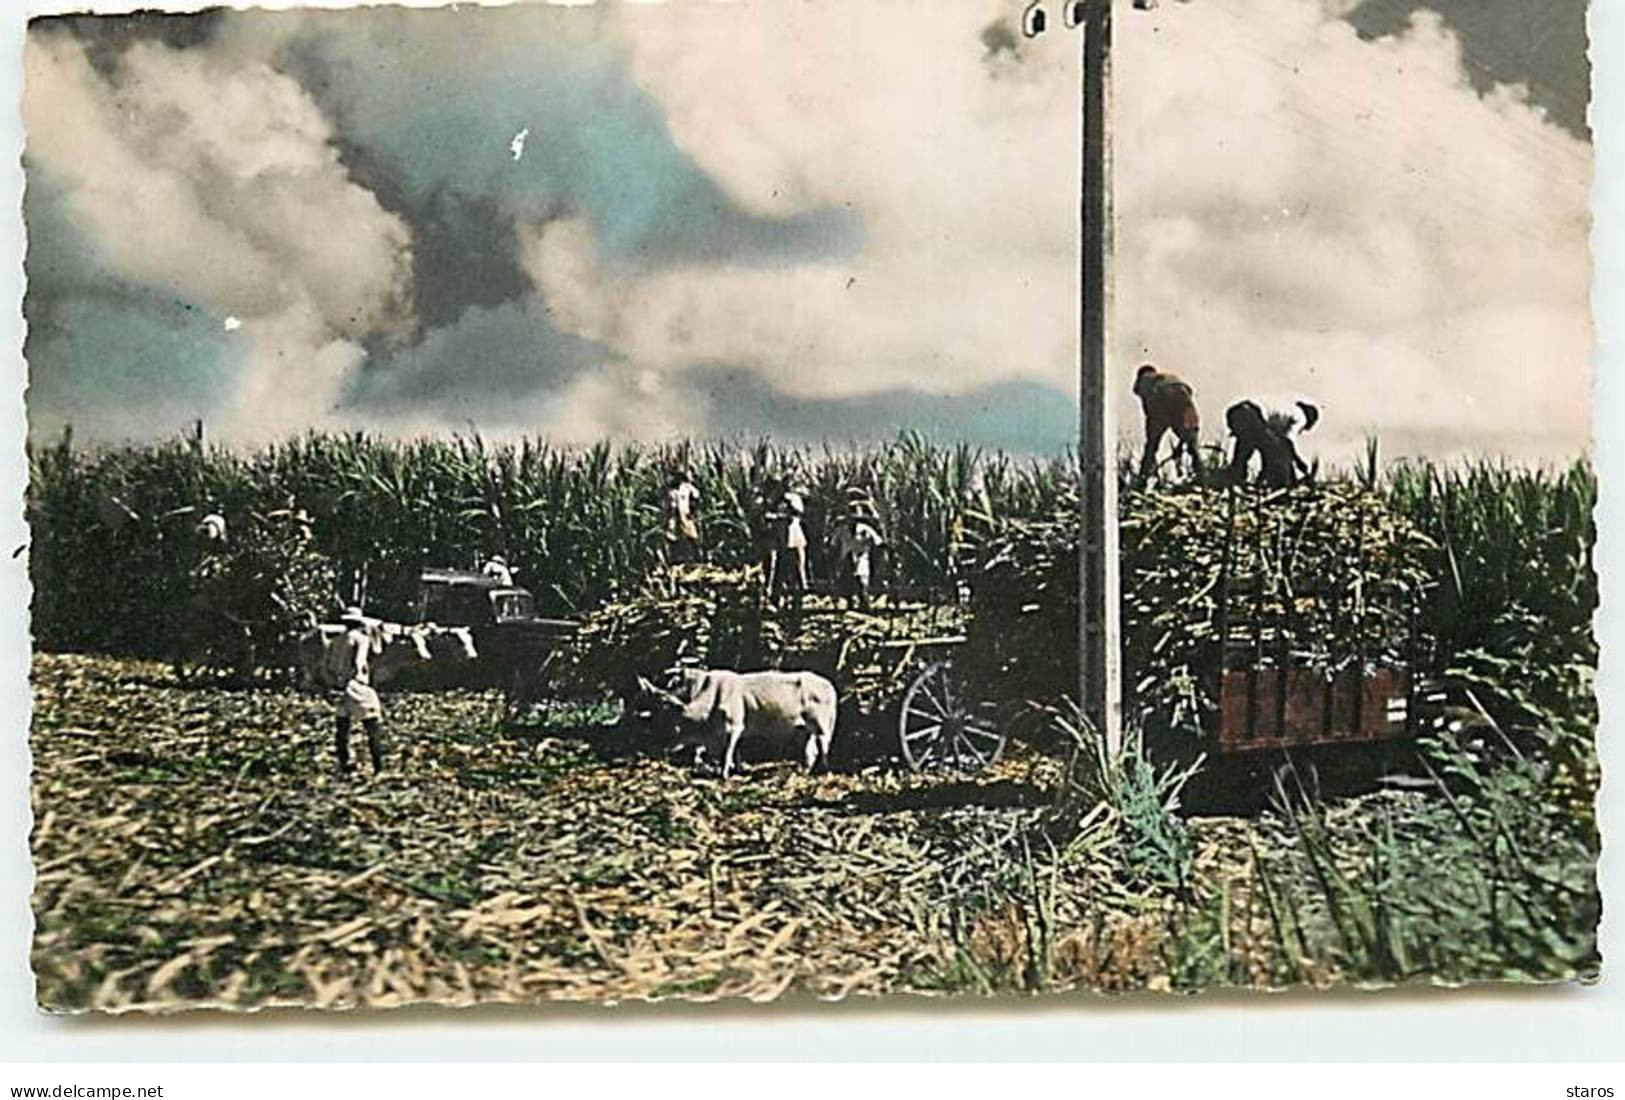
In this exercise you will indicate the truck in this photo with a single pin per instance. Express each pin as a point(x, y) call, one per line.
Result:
point(514, 645)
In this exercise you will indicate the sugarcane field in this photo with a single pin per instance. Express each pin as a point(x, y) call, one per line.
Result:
point(346, 721)
point(906, 504)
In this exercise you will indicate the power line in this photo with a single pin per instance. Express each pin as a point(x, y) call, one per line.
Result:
point(1530, 222)
point(1539, 155)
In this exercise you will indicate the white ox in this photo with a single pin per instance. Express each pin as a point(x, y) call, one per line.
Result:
point(395, 648)
point(728, 705)
point(449, 644)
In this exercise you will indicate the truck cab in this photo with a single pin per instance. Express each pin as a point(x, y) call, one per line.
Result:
point(513, 643)
point(462, 598)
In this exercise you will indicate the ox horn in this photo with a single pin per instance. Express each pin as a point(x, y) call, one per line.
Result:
point(649, 688)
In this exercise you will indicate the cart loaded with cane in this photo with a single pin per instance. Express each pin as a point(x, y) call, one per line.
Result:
point(1260, 620)
point(918, 677)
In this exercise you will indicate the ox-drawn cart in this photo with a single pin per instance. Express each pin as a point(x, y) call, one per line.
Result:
point(916, 679)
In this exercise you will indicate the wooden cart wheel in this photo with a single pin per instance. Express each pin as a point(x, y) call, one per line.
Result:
point(940, 727)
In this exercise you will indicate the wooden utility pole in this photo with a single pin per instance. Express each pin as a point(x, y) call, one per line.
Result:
point(1100, 677)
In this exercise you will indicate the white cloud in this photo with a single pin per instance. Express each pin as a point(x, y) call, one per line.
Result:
point(963, 179)
point(215, 179)
point(1300, 209)
point(622, 402)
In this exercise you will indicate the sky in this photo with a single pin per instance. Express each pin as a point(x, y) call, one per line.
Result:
point(1349, 200)
point(812, 221)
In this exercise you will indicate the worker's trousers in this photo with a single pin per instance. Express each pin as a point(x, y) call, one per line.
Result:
point(375, 742)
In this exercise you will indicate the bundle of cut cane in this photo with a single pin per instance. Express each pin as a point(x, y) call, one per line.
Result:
point(1024, 605)
point(869, 654)
point(1325, 575)
point(705, 616)
point(723, 618)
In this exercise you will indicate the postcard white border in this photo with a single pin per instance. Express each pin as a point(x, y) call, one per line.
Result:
point(1569, 1024)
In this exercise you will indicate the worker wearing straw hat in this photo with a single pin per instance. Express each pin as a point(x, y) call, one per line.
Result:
point(856, 538)
point(349, 662)
point(679, 525)
point(790, 542)
point(496, 568)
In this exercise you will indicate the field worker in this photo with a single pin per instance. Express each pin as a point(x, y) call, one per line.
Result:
point(764, 507)
point(856, 538)
point(298, 519)
point(1291, 416)
point(214, 556)
point(679, 523)
point(498, 570)
point(1255, 435)
point(790, 542)
point(1169, 406)
point(348, 661)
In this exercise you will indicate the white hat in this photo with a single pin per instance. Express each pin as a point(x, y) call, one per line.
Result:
point(352, 614)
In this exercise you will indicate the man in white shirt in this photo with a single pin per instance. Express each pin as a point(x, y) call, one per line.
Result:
point(792, 571)
point(679, 524)
point(785, 561)
point(349, 662)
point(498, 569)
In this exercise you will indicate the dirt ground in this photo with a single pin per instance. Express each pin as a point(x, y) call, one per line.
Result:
point(195, 848)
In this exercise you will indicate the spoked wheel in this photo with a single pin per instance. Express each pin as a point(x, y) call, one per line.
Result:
point(939, 726)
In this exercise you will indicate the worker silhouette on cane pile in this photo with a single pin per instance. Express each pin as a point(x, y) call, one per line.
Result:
point(1170, 407)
